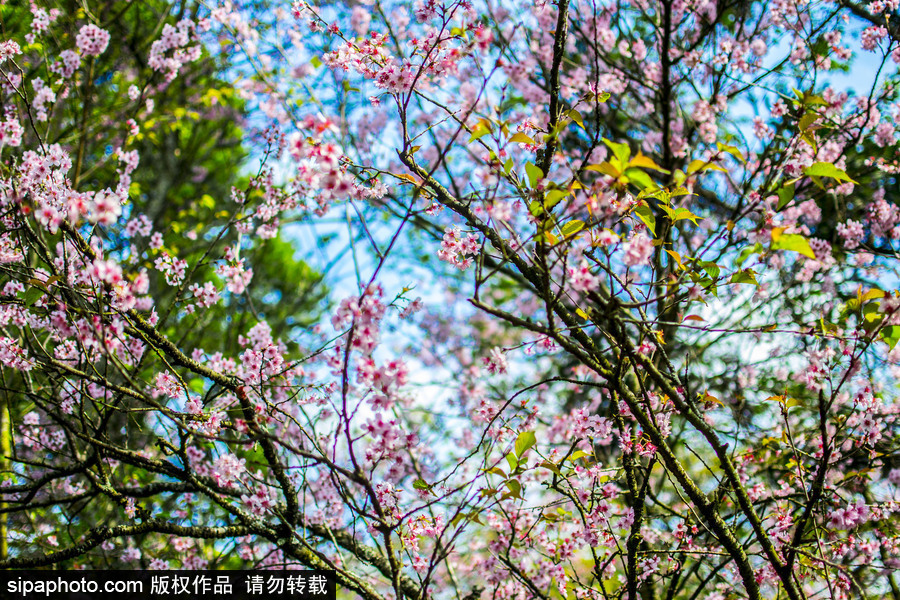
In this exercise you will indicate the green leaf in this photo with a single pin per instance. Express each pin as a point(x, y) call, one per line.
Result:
point(891, 335)
point(871, 313)
point(421, 484)
point(732, 151)
point(534, 172)
point(645, 214)
point(572, 227)
point(696, 165)
point(816, 100)
point(682, 214)
point(661, 194)
point(550, 467)
point(578, 454)
point(785, 195)
point(576, 116)
point(823, 169)
point(808, 119)
point(793, 242)
point(640, 178)
point(552, 197)
point(31, 295)
point(711, 268)
point(521, 138)
point(747, 252)
point(524, 442)
point(744, 276)
point(512, 461)
point(676, 257)
point(645, 162)
point(480, 130)
point(606, 167)
point(515, 489)
point(620, 151)
point(786, 401)
point(792, 402)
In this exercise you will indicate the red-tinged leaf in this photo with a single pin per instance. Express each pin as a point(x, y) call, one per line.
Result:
point(409, 178)
point(707, 397)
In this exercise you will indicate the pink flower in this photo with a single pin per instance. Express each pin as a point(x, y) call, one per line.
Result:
point(8, 49)
point(647, 348)
point(130, 508)
point(69, 60)
point(227, 469)
point(236, 276)
point(92, 40)
point(894, 476)
point(850, 517)
point(194, 406)
point(206, 295)
point(607, 238)
point(638, 250)
point(581, 279)
point(852, 232)
point(457, 250)
point(14, 356)
point(105, 208)
point(495, 363)
point(412, 308)
point(166, 385)
point(173, 268)
point(360, 20)
point(260, 502)
point(870, 37)
point(420, 564)
point(11, 132)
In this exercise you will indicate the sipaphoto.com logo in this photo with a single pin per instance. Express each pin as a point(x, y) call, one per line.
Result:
point(26, 586)
point(167, 585)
